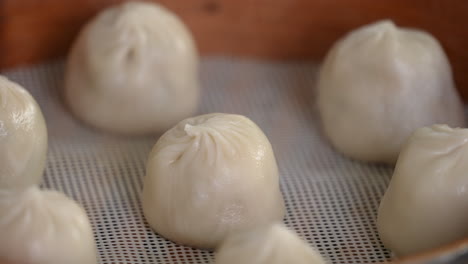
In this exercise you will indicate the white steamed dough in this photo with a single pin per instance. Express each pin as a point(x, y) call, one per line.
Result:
point(44, 227)
point(208, 176)
point(133, 70)
point(36, 227)
point(380, 83)
point(23, 137)
point(270, 244)
point(425, 205)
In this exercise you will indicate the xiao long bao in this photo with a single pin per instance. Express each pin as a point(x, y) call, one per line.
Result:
point(44, 227)
point(23, 137)
point(380, 83)
point(208, 176)
point(133, 70)
point(425, 204)
point(271, 244)
point(36, 227)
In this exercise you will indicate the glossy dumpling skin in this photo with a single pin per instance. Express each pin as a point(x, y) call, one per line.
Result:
point(426, 203)
point(133, 70)
point(208, 176)
point(380, 83)
point(23, 138)
point(44, 227)
point(270, 244)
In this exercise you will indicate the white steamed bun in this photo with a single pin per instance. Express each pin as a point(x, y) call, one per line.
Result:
point(23, 138)
point(271, 244)
point(425, 205)
point(133, 70)
point(208, 176)
point(380, 83)
point(44, 227)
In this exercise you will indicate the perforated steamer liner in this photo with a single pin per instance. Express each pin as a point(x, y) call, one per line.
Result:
point(331, 200)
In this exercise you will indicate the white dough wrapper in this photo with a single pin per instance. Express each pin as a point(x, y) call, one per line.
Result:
point(208, 176)
point(23, 138)
point(271, 244)
point(44, 227)
point(133, 70)
point(380, 83)
point(425, 205)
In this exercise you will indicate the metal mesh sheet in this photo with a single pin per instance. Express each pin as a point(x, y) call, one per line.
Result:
point(331, 200)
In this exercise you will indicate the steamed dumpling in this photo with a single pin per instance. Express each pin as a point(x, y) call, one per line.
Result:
point(134, 70)
point(380, 83)
point(44, 227)
point(210, 175)
point(426, 203)
point(23, 137)
point(271, 244)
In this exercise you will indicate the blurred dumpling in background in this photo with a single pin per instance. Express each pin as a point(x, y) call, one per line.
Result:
point(23, 138)
point(133, 70)
point(380, 83)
